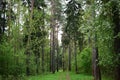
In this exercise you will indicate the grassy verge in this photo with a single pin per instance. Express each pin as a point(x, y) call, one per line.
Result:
point(64, 76)
point(61, 76)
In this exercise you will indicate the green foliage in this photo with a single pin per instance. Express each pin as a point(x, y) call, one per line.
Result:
point(74, 13)
point(65, 40)
point(105, 42)
point(84, 61)
point(80, 28)
point(107, 63)
point(6, 58)
point(11, 63)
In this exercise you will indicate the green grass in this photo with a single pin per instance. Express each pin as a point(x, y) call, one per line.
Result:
point(63, 76)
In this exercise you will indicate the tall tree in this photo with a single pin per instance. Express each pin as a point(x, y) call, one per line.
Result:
point(55, 21)
point(69, 58)
point(28, 37)
point(116, 22)
point(65, 43)
point(113, 15)
point(53, 36)
point(36, 31)
point(73, 12)
point(95, 61)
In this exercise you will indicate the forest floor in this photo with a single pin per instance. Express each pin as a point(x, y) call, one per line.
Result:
point(63, 76)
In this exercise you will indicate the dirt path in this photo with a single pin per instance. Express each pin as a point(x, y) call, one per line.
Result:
point(64, 76)
point(68, 76)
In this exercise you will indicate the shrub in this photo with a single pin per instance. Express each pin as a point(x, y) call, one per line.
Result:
point(84, 61)
point(11, 63)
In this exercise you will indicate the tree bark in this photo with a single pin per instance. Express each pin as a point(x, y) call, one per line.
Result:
point(53, 22)
point(53, 52)
point(63, 66)
point(116, 21)
point(95, 66)
point(27, 63)
point(57, 51)
point(37, 54)
point(69, 58)
point(75, 54)
point(29, 40)
point(42, 57)
point(50, 51)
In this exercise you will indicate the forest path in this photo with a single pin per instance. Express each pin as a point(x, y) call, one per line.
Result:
point(65, 76)
point(61, 76)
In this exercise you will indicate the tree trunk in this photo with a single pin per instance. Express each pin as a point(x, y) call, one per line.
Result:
point(37, 54)
point(27, 63)
point(42, 57)
point(63, 66)
point(53, 23)
point(95, 66)
point(29, 41)
point(57, 51)
point(116, 21)
point(50, 52)
point(53, 52)
point(57, 61)
point(75, 54)
point(69, 58)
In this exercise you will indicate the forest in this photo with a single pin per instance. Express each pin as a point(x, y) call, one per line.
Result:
point(59, 39)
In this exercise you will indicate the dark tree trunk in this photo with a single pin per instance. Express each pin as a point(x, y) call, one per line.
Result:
point(48, 62)
point(53, 23)
point(57, 62)
point(37, 54)
point(75, 54)
point(42, 57)
point(28, 53)
point(57, 51)
point(95, 66)
point(116, 21)
point(27, 63)
point(63, 63)
point(50, 52)
point(53, 51)
point(69, 58)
